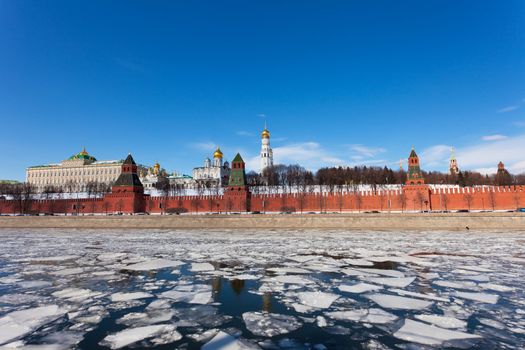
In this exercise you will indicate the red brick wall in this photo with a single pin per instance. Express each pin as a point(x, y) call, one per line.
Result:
point(410, 199)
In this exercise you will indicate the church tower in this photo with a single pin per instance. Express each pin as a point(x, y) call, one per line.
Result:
point(453, 168)
point(266, 150)
point(414, 175)
point(217, 157)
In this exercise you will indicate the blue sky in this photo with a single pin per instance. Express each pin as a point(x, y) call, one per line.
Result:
point(340, 82)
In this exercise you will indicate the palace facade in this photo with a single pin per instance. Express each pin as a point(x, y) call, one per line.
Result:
point(75, 173)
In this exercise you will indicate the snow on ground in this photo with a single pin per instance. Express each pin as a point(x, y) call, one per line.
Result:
point(227, 289)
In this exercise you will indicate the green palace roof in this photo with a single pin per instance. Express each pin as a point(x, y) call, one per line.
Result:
point(82, 155)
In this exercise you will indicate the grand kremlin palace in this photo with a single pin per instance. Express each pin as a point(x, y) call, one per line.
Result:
point(74, 173)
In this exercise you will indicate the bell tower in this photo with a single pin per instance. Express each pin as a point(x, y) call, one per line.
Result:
point(266, 150)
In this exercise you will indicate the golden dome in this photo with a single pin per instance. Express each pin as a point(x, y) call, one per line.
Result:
point(265, 134)
point(217, 153)
point(157, 165)
point(84, 152)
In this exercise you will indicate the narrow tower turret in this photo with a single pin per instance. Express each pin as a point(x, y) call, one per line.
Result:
point(266, 150)
point(414, 175)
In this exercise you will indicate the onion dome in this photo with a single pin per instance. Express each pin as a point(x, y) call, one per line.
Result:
point(265, 134)
point(156, 168)
point(217, 153)
point(82, 155)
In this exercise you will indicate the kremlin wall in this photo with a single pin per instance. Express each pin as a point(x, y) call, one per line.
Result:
point(128, 197)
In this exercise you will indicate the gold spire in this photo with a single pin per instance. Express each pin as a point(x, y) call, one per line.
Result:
point(84, 152)
point(217, 153)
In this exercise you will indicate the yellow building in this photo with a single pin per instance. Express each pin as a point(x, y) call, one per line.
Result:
point(74, 173)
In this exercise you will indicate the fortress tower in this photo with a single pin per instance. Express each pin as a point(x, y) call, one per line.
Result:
point(453, 165)
point(266, 150)
point(414, 175)
point(127, 193)
point(237, 195)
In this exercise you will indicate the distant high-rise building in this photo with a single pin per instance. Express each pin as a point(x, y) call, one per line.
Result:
point(266, 150)
point(453, 165)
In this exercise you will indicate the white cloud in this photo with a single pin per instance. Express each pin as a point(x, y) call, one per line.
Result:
point(496, 137)
point(435, 156)
point(509, 109)
point(486, 156)
point(310, 155)
point(366, 151)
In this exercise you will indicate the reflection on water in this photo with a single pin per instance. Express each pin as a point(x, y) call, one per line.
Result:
point(237, 286)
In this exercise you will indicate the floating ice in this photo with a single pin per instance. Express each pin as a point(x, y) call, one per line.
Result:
point(392, 282)
point(318, 300)
point(201, 267)
point(303, 258)
point(497, 287)
point(17, 324)
point(76, 294)
point(359, 288)
point(68, 272)
point(456, 284)
point(442, 321)
point(358, 262)
point(398, 303)
point(291, 270)
point(387, 273)
point(129, 296)
point(224, 341)
point(290, 279)
point(196, 294)
point(481, 297)
point(132, 335)
point(270, 325)
point(244, 277)
point(374, 316)
point(47, 259)
point(155, 264)
point(419, 295)
point(475, 268)
point(422, 333)
point(34, 284)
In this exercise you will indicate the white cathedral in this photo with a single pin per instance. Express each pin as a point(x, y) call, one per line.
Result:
point(266, 150)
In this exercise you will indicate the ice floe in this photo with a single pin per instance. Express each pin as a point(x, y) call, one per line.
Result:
point(202, 267)
point(196, 294)
point(374, 316)
point(359, 288)
point(19, 323)
point(398, 303)
point(442, 321)
point(165, 333)
point(270, 325)
point(318, 300)
point(480, 297)
point(224, 341)
point(155, 264)
point(129, 296)
point(392, 282)
point(423, 333)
